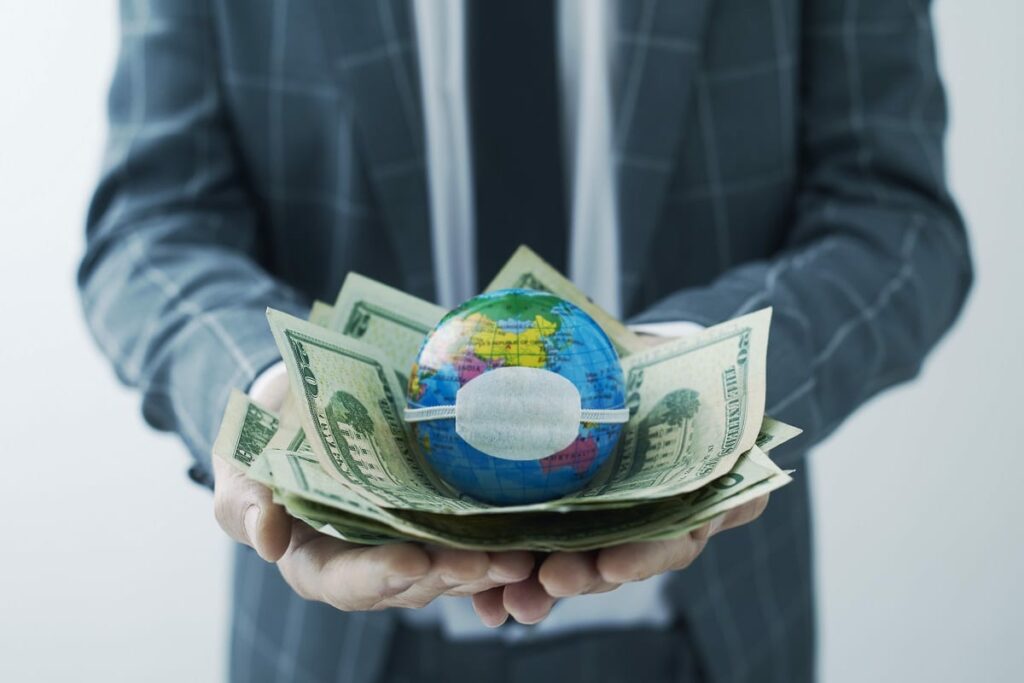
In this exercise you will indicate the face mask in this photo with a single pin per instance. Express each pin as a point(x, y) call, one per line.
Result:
point(518, 413)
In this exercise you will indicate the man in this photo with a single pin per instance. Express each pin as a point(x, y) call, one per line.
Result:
point(685, 161)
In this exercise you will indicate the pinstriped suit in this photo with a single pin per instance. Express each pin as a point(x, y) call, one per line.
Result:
point(768, 152)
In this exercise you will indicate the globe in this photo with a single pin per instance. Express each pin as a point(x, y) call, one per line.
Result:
point(509, 328)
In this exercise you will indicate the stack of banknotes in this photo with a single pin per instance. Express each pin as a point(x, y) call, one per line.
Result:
point(694, 447)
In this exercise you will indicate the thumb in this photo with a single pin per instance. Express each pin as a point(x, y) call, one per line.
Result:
point(247, 513)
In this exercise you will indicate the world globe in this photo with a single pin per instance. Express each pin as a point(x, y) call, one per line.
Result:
point(516, 328)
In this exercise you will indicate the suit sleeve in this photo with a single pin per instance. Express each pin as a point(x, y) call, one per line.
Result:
point(876, 266)
point(170, 281)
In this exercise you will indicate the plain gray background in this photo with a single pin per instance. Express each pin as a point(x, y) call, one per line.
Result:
point(112, 568)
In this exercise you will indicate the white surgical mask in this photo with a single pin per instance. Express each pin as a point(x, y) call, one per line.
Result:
point(518, 413)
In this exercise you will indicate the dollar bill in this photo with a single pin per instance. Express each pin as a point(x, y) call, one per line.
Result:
point(774, 433)
point(390, 320)
point(311, 494)
point(260, 470)
point(321, 313)
point(695, 404)
point(249, 429)
point(747, 495)
point(397, 323)
point(527, 270)
point(387, 318)
point(245, 431)
point(677, 439)
point(348, 401)
point(244, 440)
point(339, 457)
point(393, 322)
point(364, 522)
point(339, 524)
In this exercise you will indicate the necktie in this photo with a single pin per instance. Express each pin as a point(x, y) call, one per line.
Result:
point(515, 122)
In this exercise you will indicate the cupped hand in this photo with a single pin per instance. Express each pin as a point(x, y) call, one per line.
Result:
point(566, 574)
point(354, 577)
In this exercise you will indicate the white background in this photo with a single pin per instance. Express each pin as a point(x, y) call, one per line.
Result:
point(111, 567)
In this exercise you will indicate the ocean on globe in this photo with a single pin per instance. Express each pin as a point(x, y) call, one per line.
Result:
point(507, 328)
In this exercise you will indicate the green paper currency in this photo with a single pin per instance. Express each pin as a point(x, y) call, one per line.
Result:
point(341, 459)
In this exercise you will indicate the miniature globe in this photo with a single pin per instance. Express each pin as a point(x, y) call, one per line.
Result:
point(516, 328)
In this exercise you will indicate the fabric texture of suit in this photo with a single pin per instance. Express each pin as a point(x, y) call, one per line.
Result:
point(768, 152)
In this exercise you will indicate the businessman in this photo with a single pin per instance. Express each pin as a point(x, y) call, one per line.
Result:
point(684, 161)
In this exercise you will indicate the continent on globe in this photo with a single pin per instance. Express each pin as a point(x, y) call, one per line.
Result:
point(517, 328)
point(579, 455)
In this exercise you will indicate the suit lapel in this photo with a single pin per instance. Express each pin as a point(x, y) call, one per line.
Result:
point(371, 45)
point(658, 49)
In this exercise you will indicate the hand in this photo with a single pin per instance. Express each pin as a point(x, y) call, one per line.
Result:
point(565, 574)
point(347, 576)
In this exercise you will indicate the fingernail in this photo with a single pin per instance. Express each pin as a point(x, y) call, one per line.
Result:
point(252, 523)
point(500, 576)
point(399, 584)
point(531, 622)
point(497, 623)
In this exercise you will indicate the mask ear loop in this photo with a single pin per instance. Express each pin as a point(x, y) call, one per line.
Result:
point(431, 413)
point(605, 416)
point(594, 415)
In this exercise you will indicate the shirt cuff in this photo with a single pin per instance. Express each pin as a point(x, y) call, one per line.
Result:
point(680, 328)
point(270, 387)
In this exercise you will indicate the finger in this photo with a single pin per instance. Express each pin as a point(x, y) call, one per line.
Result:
point(347, 576)
point(450, 570)
point(510, 566)
point(642, 560)
point(527, 601)
point(638, 561)
point(489, 607)
point(744, 514)
point(565, 574)
point(505, 568)
point(603, 587)
point(246, 511)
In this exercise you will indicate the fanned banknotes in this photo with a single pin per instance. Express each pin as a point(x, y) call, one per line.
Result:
point(694, 446)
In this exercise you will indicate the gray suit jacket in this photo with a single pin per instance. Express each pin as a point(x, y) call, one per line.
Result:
point(768, 152)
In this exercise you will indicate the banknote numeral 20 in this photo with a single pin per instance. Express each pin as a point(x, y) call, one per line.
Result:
point(302, 359)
